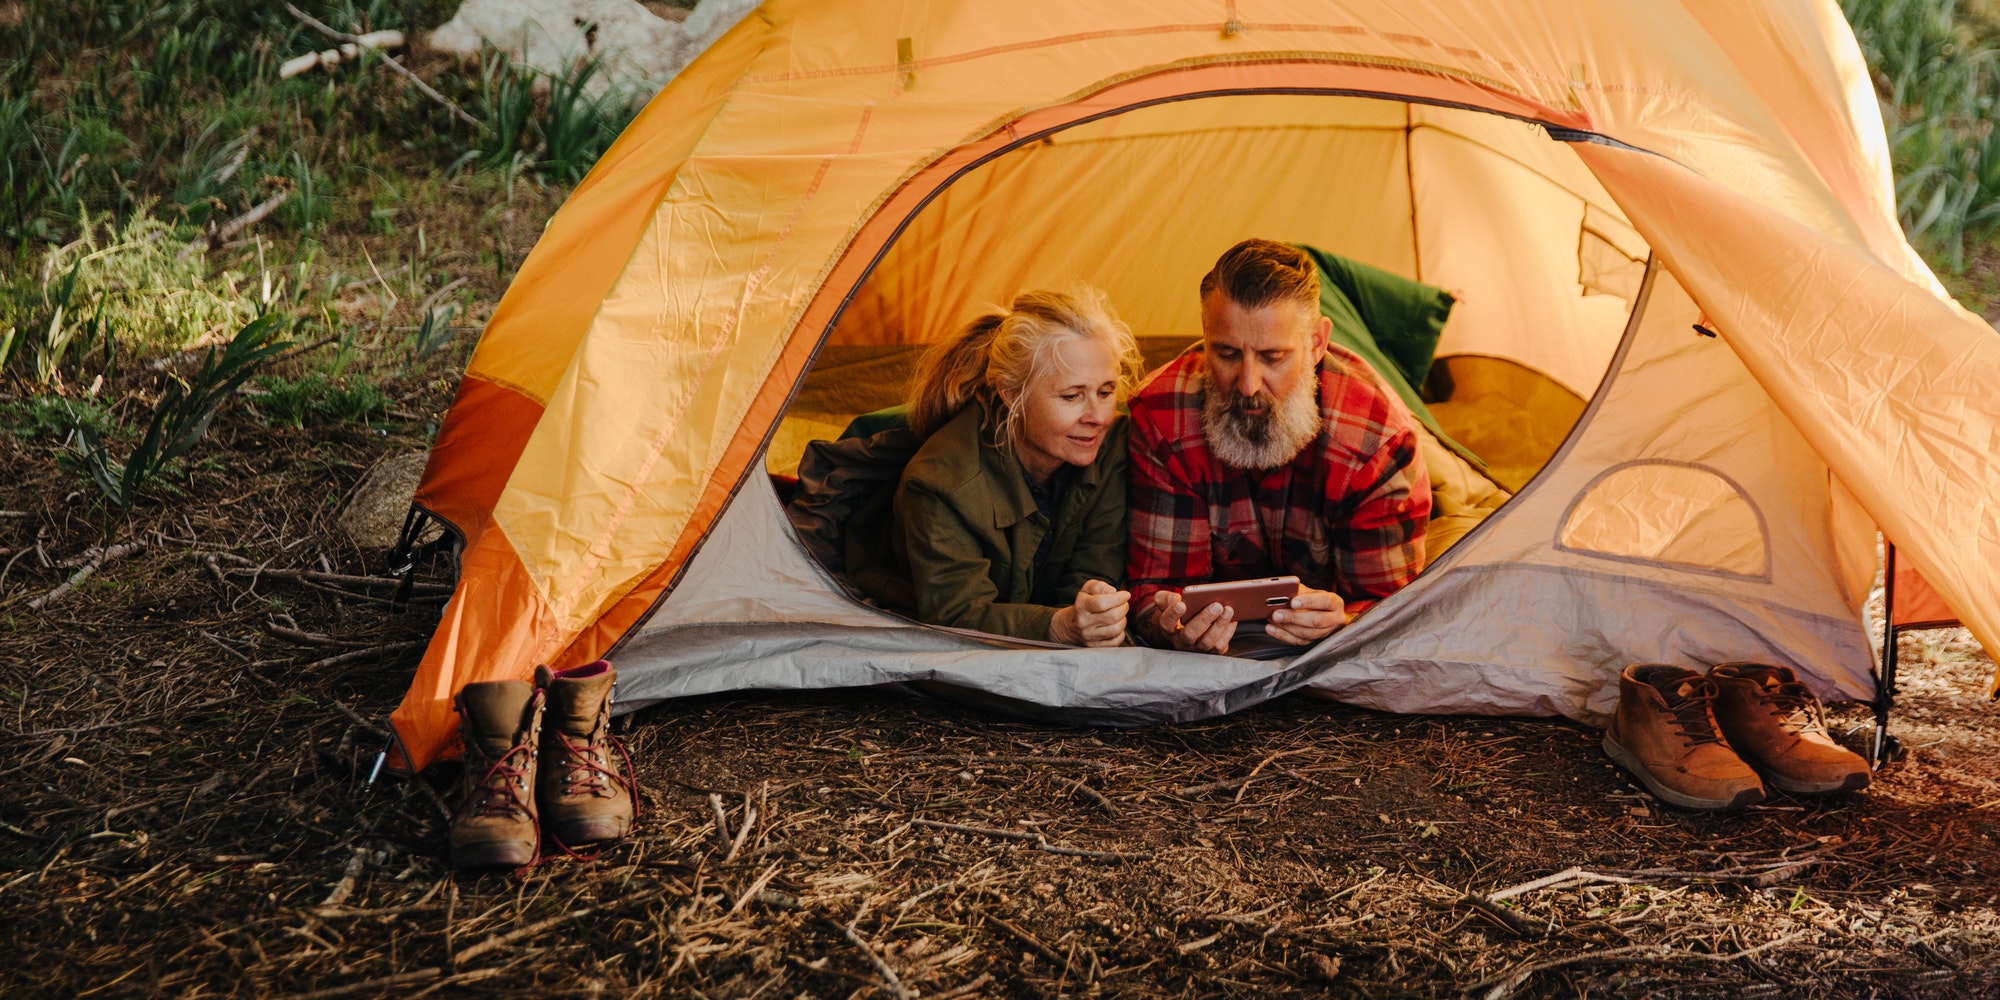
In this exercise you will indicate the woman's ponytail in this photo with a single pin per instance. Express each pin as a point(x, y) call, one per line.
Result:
point(952, 375)
point(1004, 352)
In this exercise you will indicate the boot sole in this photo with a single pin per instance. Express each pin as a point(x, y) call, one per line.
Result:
point(1747, 797)
point(498, 854)
point(1853, 782)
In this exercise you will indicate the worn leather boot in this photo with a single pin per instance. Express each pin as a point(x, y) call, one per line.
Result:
point(500, 722)
point(584, 797)
point(1779, 728)
point(1665, 734)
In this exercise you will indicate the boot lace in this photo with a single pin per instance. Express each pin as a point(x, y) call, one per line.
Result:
point(1795, 704)
point(503, 789)
point(1692, 704)
point(584, 773)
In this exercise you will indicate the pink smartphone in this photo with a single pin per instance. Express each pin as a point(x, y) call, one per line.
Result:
point(1253, 600)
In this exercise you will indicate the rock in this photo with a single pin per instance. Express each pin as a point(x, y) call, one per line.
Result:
point(374, 515)
point(639, 47)
point(1322, 967)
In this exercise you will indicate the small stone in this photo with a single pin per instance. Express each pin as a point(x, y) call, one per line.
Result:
point(1325, 968)
point(374, 515)
point(773, 899)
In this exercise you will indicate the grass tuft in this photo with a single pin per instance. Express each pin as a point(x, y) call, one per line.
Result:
point(138, 275)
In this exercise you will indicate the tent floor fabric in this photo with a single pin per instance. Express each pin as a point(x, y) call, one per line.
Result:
point(1296, 848)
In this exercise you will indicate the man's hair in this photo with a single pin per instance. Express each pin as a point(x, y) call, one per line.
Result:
point(1256, 273)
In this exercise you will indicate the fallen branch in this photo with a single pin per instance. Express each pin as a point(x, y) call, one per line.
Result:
point(216, 641)
point(1026, 938)
point(721, 820)
point(358, 720)
point(971, 760)
point(10, 568)
point(345, 888)
point(1504, 984)
point(381, 986)
point(370, 42)
point(503, 940)
point(97, 560)
point(100, 727)
point(1222, 786)
point(433, 298)
point(355, 656)
point(1540, 883)
point(312, 638)
point(889, 977)
point(1518, 925)
point(1759, 876)
point(316, 576)
point(229, 229)
point(1095, 797)
point(985, 979)
point(1035, 840)
point(389, 61)
point(742, 832)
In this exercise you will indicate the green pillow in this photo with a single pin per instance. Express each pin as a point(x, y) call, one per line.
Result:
point(1393, 323)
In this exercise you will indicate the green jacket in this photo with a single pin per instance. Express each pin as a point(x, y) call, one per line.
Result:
point(966, 528)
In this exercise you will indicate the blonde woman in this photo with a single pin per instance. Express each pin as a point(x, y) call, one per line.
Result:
point(1011, 517)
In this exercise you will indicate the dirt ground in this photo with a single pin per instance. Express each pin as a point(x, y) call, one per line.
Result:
point(189, 729)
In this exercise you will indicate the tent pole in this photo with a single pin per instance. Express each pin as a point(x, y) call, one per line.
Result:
point(1886, 747)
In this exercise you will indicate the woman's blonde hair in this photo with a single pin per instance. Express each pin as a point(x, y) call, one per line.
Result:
point(1004, 352)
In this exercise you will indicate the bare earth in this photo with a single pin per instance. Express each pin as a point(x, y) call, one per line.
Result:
point(185, 817)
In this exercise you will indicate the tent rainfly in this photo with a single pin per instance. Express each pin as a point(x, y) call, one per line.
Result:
point(1683, 299)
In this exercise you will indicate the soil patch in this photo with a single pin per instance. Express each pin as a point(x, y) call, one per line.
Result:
point(193, 724)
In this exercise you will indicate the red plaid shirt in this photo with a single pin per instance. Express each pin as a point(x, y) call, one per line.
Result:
point(1346, 515)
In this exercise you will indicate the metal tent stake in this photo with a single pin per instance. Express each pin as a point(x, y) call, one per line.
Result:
point(374, 772)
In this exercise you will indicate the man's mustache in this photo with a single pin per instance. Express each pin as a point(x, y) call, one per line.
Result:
point(1253, 415)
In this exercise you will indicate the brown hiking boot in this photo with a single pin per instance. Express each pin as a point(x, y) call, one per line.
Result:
point(1665, 734)
point(584, 796)
point(1779, 728)
point(501, 723)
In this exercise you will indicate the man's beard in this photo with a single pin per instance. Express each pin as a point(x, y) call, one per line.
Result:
point(1266, 440)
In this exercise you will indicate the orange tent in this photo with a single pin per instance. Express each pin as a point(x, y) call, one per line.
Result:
point(840, 177)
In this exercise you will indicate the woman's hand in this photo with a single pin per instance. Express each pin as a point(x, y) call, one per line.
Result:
point(1096, 618)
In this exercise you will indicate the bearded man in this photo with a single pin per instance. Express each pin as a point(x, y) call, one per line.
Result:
point(1268, 451)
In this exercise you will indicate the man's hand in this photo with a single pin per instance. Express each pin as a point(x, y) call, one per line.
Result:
point(1096, 618)
point(1207, 632)
point(1313, 615)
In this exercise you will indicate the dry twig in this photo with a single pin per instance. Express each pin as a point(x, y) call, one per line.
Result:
point(228, 230)
point(372, 652)
point(98, 558)
point(503, 940)
point(889, 977)
point(1035, 840)
point(345, 887)
point(389, 61)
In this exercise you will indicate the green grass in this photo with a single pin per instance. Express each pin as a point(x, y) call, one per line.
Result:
point(1937, 72)
point(317, 397)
